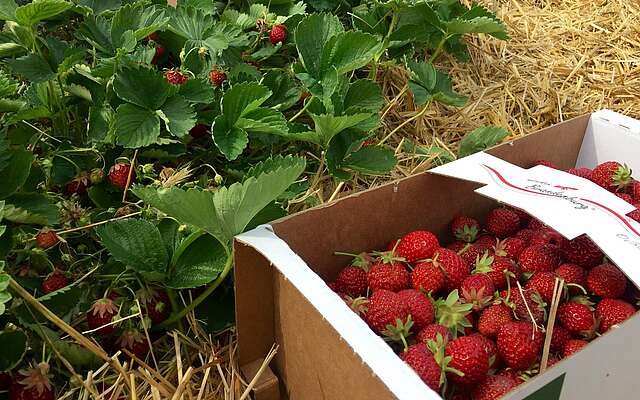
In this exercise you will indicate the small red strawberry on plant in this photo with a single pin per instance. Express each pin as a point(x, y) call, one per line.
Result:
point(153, 36)
point(32, 384)
point(493, 387)
point(519, 345)
point(47, 238)
point(217, 77)
point(157, 56)
point(156, 304)
point(100, 314)
point(468, 356)
point(612, 176)
point(573, 346)
point(135, 342)
point(176, 77)
point(417, 245)
point(611, 312)
point(77, 185)
point(465, 228)
point(420, 308)
point(278, 34)
point(477, 290)
point(502, 222)
point(54, 281)
point(427, 277)
point(607, 281)
point(119, 175)
point(198, 131)
point(494, 317)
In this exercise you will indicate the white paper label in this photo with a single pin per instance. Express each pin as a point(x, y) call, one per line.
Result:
point(569, 204)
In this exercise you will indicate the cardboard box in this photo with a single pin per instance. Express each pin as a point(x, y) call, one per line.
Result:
point(327, 352)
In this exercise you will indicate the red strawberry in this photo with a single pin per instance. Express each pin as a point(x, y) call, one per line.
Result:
point(465, 228)
point(352, 280)
point(278, 34)
point(158, 55)
point(528, 303)
point(32, 384)
point(581, 172)
point(386, 273)
point(539, 258)
point(493, 387)
point(573, 346)
point(612, 312)
point(510, 247)
point(502, 222)
point(417, 245)
point(47, 238)
point(421, 360)
point(499, 269)
point(582, 251)
point(135, 342)
point(430, 332)
point(510, 373)
point(156, 303)
point(420, 308)
point(612, 176)
point(469, 357)
point(78, 185)
point(471, 253)
point(525, 235)
point(559, 338)
point(543, 282)
point(635, 214)
point(153, 36)
point(217, 77)
point(486, 242)
point(176, 77)
point(119, 174)
point(492, 318)
point(385, 308)
point(477, 289)
point(101, 313)
point(519, 345)
point(572, 275)
point(198, 131)
point(607, 281)
point(577, 318)
point(634, 190)
point(54, 281)
point(626, 197)
point(427, 277)
point(490, 348)
point(455, 269)
point(547, 163)
point(336, 289)
point(547, 236)
point(535, 224)
point(454, 315)
point(523, 215)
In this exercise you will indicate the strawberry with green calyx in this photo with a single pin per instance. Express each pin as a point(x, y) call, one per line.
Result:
point(607, 281)
point(574, 276)
point(398, 332)
point(358, 305)
point(119, 175)
point(543, 282)
point(388, 272)
point(54, 281)
point(155, 303)
point(527, 303)
point(494, 317)
point(96, 176)
point(454, 268)
point(477, 290)
point(510, 247)
point(612, 176)
point(451, 313)
point(135, 342)
point(573, 346)
point(32, 384)
point(101, 314)
point(541, 257)
point(611, 312)
point(465, 228)
point(494, 387)
point(577, 316)
point(47, 238)
point(581, 172)
point(417, 245)
point(470, 253)
point(278, 34)
point(490, 348)
point(486, 241)
point(420, 358)
point(176, 77)
point(519, 345)
point(386, 308)
point(502, 270)
point(469, 357)
point(420, 308)
point(77, 185)
point(431, 332)
point(502, 222)
point(217, 77)
point(582, 251)
point(427, 277)
point(353, 278)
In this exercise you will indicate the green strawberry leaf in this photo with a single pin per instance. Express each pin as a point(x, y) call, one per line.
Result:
point(427, 83)
point(311, 36)
point(348, 51)
point(143, 87)
point(13, 349)
point(327, 126)
point(8, 10)
point(200, 263)
point(100, 118)
point(30, 208)
point(136, 243)
point(363, 95)
point(435, 154)
point(197, 91)
point(372, 160)
point(99, 6)
point(242, 99)
point(33, 67)
point(180, 116)
point(480, 139)
point(284, 91)
point(230, 140)
point(264, 120)
point(15, 174)
point(169, 230)
point(140, 19)
point(136, 127)
point(5, 152)
point(39, 10)
point(96, 30)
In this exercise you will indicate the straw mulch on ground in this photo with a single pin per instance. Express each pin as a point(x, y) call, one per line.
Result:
point(565, 58)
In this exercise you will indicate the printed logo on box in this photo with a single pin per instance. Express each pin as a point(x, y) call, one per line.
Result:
point(569, 204)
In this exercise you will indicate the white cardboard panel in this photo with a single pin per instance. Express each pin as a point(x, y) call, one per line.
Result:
point(393, 372)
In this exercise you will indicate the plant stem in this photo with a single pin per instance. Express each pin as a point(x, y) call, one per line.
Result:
point(302, 110)
point(196, 302)
point(397, 128)
point(439, 48)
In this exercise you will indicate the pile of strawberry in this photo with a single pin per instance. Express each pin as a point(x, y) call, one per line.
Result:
point(471, 317)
